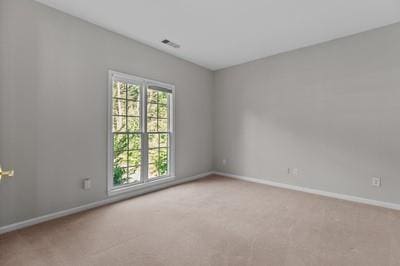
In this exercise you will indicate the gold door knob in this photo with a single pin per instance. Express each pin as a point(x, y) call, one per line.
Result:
point(9, 173)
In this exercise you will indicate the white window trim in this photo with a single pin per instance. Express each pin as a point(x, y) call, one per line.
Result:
point(111, 189)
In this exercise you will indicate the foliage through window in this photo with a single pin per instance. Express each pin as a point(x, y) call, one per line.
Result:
point(141, 130)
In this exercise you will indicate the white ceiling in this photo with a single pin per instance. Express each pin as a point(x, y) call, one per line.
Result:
point(221, 33)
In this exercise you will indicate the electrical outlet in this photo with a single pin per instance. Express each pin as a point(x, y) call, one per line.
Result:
point(87, 184)
point(295, 171)
point(376, 181)
point(224, 161)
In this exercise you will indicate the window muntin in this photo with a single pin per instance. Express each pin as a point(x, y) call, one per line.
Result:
point(141, 130)
point(126, 117)
point(158, 117)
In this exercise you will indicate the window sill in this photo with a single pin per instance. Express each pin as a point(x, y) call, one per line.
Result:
point(141, 186)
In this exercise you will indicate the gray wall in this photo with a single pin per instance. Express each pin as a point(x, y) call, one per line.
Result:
point(331, 110)
point(53, 85)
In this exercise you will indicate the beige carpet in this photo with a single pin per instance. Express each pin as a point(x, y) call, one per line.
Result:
point(214, 221)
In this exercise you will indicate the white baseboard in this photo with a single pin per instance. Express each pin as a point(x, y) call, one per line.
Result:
point(383, 204)
point(55, 215)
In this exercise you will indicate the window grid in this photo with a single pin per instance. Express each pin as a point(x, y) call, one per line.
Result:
point(137, 126)
point(160, 147)
point(157, 132)
point(128, 168)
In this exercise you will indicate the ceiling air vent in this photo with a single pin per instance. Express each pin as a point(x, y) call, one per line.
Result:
point(168, 42)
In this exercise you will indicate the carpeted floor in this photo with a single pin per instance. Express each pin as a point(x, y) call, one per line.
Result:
point(214, 221)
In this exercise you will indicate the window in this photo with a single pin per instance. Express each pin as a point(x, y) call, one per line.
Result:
point(141, 135)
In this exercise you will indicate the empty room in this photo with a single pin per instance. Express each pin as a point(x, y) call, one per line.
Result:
point(200, 133)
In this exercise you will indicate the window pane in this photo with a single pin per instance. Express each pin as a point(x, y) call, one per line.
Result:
point(151, 96)
point(120, 159)
point(162, 97)
point(153, 140)
point(153, 156)
point(152, 170)
point(152, 110)
point(162, 125)
point(151, 124)
point(164, 140)
point(158, 162)
point(119, 90)
point(162, 111)
point(119, 124)
point(162, 165)
point(133, 124)
point(120, 175)
point(134, 141)
point(120, 142)
point(119, 107)
point(133, 108)
point(134, 157)
point(134, 174)
point(133, 92)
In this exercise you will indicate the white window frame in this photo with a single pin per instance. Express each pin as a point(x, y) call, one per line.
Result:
point(144, 179)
